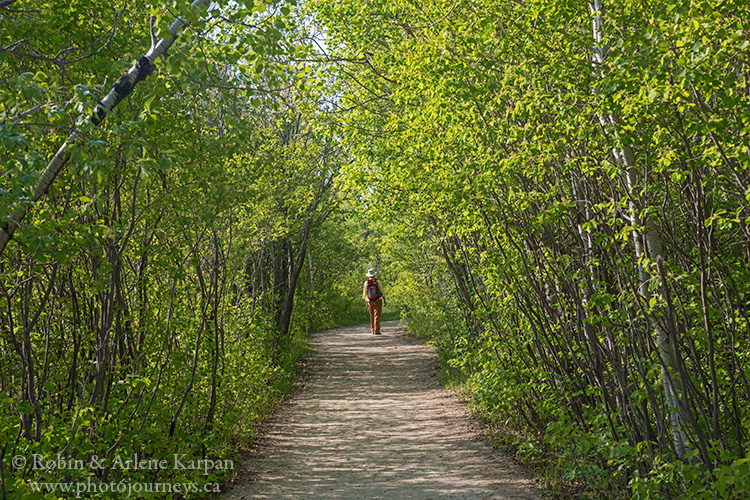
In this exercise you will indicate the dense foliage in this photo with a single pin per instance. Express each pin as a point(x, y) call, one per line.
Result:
point(558, 196)
point(155, 301)
point(566, 189)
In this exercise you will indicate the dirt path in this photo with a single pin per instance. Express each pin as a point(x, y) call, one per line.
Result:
point(372, 421)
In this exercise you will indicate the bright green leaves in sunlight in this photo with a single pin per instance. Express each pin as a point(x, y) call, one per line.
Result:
point(148, 291)
point(559, 197)
point(575, 211)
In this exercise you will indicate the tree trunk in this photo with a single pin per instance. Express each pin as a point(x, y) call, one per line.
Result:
point(121, 89)
point(651, 250)
point(286, 312)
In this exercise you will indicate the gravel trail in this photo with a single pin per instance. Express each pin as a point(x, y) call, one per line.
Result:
point(371, 420)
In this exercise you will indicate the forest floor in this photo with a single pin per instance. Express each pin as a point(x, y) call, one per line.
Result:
point(370, 419)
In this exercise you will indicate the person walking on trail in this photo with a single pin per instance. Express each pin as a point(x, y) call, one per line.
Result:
point(375, 300)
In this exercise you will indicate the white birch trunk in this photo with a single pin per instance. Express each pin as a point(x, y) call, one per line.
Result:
point(652, 250)
point(121, 89)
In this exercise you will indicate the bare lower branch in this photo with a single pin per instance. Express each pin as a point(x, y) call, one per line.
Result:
point(224, 86)
point(26, 113)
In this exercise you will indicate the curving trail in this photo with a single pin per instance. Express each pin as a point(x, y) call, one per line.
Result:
point(371, 420)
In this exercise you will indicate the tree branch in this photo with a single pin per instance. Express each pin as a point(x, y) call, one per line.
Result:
point(121, 89)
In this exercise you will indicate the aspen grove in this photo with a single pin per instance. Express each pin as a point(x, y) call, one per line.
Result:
point(557, 192)
point(563, 191)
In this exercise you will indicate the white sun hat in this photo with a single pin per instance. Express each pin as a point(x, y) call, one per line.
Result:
point(371, 273)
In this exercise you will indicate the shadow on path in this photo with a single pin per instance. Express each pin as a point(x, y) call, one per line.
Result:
point(372, 421)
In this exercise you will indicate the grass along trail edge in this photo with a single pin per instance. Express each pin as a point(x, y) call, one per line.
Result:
point(372, 420)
